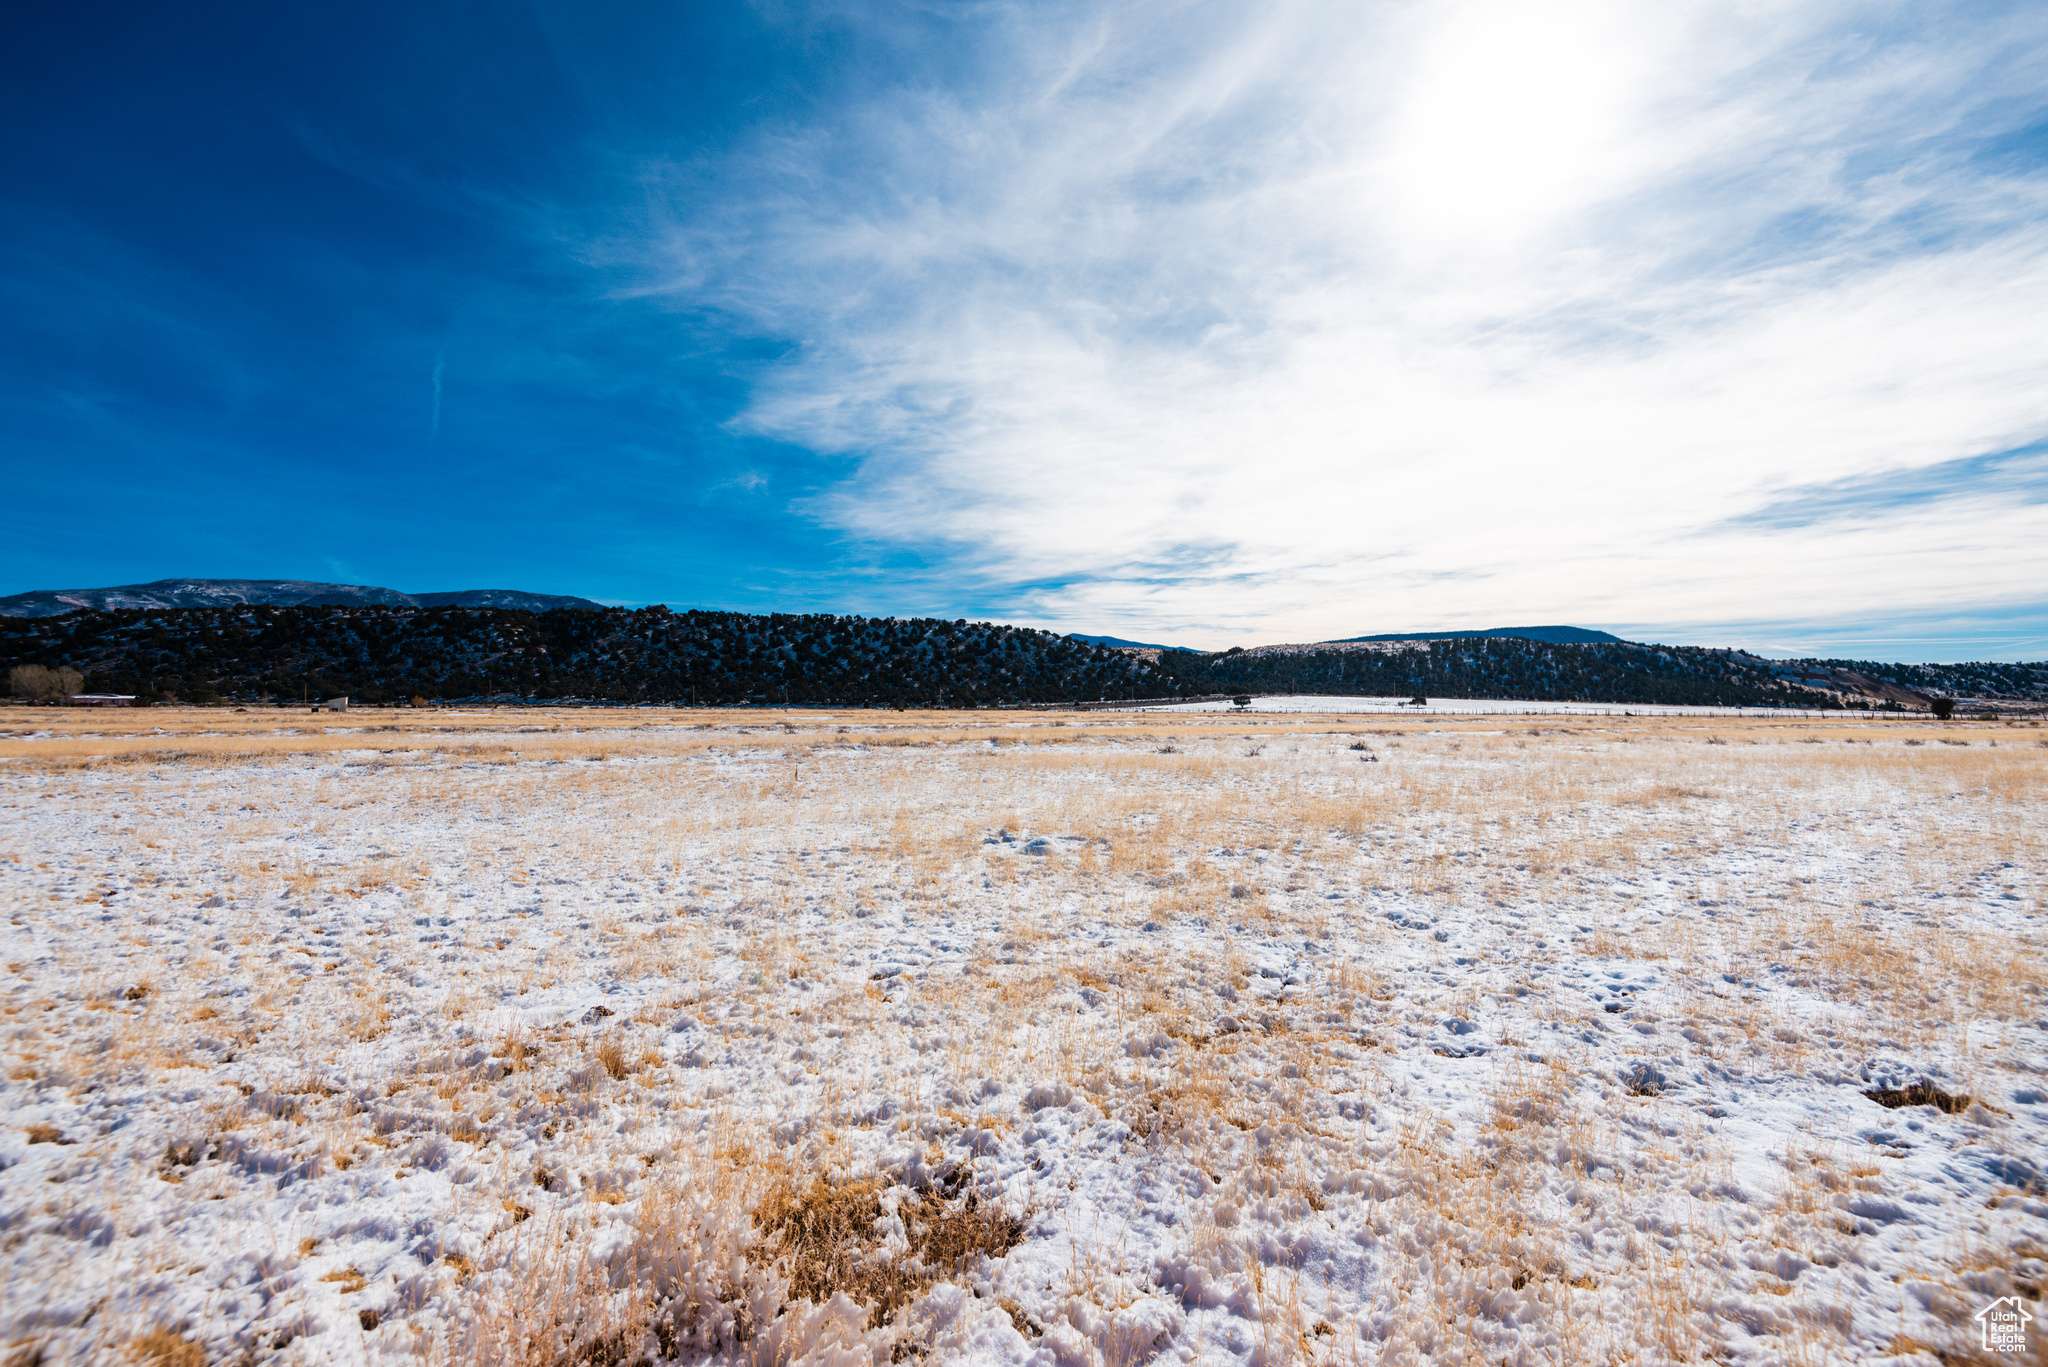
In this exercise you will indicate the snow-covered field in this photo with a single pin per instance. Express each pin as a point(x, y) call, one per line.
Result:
point(605, 1037)
point(1462, 707)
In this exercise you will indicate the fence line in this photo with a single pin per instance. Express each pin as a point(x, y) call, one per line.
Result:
point(1539, 710)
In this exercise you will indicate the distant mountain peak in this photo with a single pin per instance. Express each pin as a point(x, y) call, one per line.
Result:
point(1119, 643)
point(1551, 635)
point(160, 594)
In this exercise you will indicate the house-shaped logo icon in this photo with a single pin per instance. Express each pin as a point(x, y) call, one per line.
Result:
point(2003, 1325)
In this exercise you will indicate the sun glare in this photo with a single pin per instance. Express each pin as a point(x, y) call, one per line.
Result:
point(1514, 118)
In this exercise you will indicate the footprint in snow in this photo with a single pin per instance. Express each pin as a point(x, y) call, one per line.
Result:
point(1460, 1042)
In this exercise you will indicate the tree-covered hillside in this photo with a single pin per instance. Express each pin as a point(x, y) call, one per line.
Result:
point(1980, 679)
point(1500, 667)
point(391, 653)
point(382, 654)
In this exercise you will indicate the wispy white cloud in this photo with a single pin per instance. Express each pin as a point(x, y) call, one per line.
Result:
point(1296, 320)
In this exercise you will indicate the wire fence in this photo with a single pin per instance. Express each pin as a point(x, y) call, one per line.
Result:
point(1456, 708)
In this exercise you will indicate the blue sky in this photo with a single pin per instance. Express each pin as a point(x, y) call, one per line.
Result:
point(1205, 323)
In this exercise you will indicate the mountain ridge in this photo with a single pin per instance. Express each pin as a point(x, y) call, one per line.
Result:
point(175, 594)
point(397, 653)
point(1119, 643)
point(394, 653)
point(1551, 635)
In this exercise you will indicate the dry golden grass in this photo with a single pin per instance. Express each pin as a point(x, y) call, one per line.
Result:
point(611, 1056)
point(163, 1348)
point(511, 734)
point(366, 944)
point(824, 1233)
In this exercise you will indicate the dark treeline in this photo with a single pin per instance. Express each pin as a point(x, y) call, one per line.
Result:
point(1982, 679)
point(394, 654)
point(1502, 667)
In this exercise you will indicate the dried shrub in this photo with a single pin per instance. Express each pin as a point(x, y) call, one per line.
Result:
point(1920, 1094)
point(825, 1231)
point(163, 1348)
point(951, 1237)
point(828, 1234)
point(611, 1056)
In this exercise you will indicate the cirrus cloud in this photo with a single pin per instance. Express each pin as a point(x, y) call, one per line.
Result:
point(1286, 322)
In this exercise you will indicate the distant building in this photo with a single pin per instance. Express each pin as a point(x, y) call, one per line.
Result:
point(339, 704)
point(103, 700)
